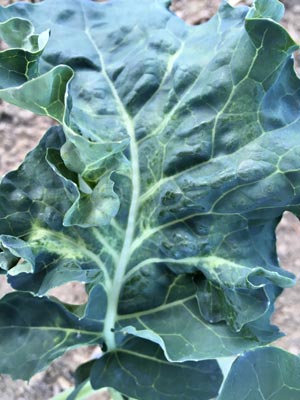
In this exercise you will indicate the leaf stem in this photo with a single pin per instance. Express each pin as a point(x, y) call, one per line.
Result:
point(84, 393)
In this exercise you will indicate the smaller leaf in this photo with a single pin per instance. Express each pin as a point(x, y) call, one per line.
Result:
point(18, 33)
point(140, 370)
point(267, 373)
point(82, 380)
point(95, 208)
point(19, 249)
point(43, 95)
point(88, 158)
point(235, 306)
point(19, 63)
point(21, 83)
point(7, 260)
point(273, 9)
point(97, 303)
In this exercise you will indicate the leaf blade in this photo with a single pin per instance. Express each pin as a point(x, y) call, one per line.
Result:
point(143, 372)
point(268, 373)
point(196, 159)
point(35, 331)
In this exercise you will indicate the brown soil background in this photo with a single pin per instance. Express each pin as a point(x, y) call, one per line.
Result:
point(19, 132)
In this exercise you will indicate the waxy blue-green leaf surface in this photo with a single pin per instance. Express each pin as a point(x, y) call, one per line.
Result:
point(20, 79)
point(139, 370)
point(177, 154)
point(264, 374)
point(35, 331)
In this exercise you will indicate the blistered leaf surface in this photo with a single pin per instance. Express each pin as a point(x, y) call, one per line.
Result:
point(177, 154)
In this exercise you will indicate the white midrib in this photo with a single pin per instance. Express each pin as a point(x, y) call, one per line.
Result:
point(115, 287)
point(115, 290)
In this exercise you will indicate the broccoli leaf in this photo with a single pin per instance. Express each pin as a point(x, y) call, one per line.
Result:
point(139, 370)
point(177, 154)
point(267, 373)
point(29, 325)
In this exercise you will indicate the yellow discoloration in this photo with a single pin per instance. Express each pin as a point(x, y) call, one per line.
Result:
point(55, 242)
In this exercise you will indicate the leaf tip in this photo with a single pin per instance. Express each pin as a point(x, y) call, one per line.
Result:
point(267, 9)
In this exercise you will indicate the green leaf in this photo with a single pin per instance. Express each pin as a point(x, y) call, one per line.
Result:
point(52, 254)
point(83, 389)
point(267, 9)
point(82, 381)
point(177, 156)
point(163, 325)
point(87, 391)
point(44, 95)
point(19, 33)
point(35, 331)
point(21, 83)
point(139, 370)
point(96, 207)
point(268, 373)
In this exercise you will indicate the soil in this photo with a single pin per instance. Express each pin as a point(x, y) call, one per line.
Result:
point(19, 132)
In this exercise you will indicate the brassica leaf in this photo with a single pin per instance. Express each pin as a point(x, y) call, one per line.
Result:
point(35, 331)
point(268, 373)
point(176, 155)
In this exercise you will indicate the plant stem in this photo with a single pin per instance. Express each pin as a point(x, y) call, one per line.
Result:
point(84, 393)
